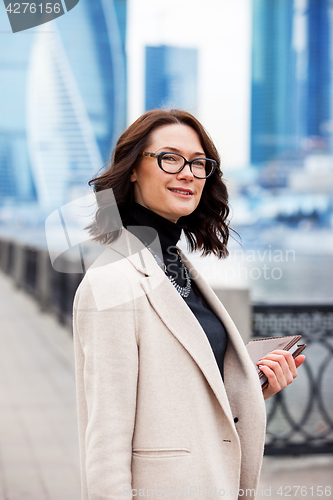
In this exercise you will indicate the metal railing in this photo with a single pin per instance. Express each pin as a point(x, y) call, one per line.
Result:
point(300, 418)
point(32, 271)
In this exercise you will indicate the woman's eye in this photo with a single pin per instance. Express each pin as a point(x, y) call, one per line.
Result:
point(169, 158)
point(199, 163)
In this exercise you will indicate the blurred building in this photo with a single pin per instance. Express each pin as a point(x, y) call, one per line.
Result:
point(16, 181)
point(72, 94)
point(171, 78)
point(291, 78)
point(319, 74)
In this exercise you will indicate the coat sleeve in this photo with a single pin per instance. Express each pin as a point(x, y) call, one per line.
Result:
point(106, 364)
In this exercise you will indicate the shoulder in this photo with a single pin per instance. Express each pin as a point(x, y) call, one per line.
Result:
point(109, 282)
point(104, 303)
point(115, 277)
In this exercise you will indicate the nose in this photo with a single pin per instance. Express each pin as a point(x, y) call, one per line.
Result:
point(185, 173)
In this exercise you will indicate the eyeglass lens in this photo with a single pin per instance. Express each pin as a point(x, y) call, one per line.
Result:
point(172, 162)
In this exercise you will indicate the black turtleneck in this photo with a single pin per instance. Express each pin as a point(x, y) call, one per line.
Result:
point(147, 223)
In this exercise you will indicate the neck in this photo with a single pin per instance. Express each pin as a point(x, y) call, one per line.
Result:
point(168, 232)
point(174, 221)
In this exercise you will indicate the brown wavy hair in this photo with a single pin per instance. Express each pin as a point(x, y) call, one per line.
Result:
point(207, 228)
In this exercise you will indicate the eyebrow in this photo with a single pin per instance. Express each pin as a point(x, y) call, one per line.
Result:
point(170, 148)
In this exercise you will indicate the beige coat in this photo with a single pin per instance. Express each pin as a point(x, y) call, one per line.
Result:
point(155, 418)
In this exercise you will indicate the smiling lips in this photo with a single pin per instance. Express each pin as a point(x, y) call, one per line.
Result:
point(181, 191)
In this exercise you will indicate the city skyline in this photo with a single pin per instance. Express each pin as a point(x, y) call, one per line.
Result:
point(65, 98)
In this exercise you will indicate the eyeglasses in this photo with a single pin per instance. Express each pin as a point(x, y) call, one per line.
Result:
point(173, 163)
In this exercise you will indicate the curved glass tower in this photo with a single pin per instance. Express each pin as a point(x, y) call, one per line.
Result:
point(75, 100)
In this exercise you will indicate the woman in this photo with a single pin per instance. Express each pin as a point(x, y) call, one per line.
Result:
point(169, 403)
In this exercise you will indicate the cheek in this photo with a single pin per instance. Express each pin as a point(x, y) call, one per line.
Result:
point(200, 190)
point(143, 179)
point(152, 188)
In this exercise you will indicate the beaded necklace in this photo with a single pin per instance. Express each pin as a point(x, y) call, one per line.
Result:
point(184, 291)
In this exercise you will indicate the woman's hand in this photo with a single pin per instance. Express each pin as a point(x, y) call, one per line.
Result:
point(280, 369)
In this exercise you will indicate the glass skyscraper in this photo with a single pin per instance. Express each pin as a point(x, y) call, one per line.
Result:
point(320, 62)
point(16, 181)
point(171, 78)
point(273, 79)
point(291, 77)
point(72, 103)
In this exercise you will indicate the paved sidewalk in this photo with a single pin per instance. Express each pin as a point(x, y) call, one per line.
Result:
point(38, 430)
point(39, 458)
point(281, 476)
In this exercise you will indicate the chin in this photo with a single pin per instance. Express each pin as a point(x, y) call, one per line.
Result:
point(178, 212)
point(184, 213)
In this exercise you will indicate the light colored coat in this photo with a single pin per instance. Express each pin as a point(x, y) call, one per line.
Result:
point(155, 418)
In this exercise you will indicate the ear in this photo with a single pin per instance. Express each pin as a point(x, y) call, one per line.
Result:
point(133, 175)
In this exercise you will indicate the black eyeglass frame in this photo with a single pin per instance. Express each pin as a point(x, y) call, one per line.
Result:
point(186, 162)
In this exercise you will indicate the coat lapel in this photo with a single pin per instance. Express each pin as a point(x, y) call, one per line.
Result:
point(238, 367)
point(175, 313)
point(182, 323)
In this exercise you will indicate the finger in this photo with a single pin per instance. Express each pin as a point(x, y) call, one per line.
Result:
point(299, 360)
point(285, 358)
point(286, 362)
point(275, 384)
point(275, 377)
point(280, 369)
point(293, 365)
point(280, 352)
